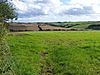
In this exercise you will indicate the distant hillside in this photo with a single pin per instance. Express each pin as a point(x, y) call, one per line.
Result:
point(16, 27)
point(55, 26)
point(94, 25)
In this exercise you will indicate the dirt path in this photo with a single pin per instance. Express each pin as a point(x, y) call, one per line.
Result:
point(46, 67)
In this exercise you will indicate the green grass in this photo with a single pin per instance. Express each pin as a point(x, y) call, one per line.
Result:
point(79, 25)
point(58, 53)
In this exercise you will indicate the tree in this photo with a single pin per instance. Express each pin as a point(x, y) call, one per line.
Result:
point(7, 12)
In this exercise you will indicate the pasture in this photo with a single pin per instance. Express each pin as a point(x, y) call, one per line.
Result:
point(55, 53)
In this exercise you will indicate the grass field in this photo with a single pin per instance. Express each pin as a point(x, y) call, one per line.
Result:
point(77, 25)
point(55, 53)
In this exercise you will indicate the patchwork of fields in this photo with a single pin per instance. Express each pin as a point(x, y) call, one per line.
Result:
point(55, 53)
point(55, 26)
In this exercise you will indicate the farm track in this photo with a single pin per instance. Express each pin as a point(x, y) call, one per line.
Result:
point(46, 67)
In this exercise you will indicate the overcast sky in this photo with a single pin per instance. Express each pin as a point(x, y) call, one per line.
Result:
point(57, 10)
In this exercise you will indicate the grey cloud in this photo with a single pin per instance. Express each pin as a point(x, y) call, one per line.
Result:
point(86, 10)
point(43, 1)
point(32, 13)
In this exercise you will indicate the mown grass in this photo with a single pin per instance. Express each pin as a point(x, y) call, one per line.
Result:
point(64, 53)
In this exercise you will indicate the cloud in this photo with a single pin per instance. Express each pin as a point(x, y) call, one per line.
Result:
point(85, 10)
point(95, 4)
point(32, 13)
point(37, 7)
point(57, 9)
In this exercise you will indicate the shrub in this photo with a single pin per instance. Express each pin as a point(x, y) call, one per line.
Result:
point(5, 66)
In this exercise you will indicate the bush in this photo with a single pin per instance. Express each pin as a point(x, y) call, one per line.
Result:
point(5, 66)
